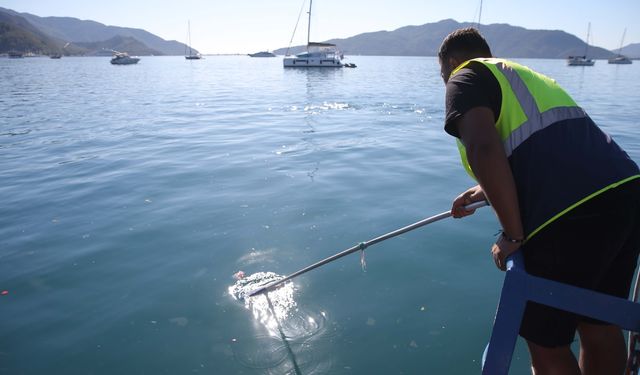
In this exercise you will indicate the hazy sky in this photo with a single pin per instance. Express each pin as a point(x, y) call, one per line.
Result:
point(241, 26)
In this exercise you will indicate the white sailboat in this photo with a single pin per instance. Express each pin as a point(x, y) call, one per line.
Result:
point(620, 58)
point(191, 55)
point(317, 55)
point(582, 60)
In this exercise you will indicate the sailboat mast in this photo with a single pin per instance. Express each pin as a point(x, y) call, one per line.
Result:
point(189, 34)
point(586, 48)
point(622, 41)
point(309, 28)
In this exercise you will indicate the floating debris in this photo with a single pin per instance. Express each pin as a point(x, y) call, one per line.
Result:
point(371, 322)
point(180, 321)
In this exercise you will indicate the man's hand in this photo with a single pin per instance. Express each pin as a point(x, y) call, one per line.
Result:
point(501, 250)
point(474, 194)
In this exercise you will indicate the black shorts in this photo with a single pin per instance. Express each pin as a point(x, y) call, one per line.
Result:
point(594, 246)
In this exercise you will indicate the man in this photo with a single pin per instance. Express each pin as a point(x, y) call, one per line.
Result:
point(562, 190)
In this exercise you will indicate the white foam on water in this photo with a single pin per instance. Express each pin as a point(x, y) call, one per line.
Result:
point(268, 309)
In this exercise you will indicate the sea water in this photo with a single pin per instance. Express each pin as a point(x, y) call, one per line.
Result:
point(132, 194)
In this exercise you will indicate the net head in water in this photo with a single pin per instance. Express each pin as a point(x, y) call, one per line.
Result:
point(268, 308)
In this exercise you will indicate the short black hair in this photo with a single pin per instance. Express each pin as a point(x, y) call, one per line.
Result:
point(464, 44)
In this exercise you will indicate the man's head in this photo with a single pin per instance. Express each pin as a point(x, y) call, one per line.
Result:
point(460, 46)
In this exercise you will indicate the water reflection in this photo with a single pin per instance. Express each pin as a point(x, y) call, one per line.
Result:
point(318, 99)
point(266, 309)
point(288, 338)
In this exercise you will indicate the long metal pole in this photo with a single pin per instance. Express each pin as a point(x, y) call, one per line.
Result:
point(364, 245)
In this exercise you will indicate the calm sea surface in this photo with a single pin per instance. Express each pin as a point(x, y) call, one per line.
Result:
point(131, 194)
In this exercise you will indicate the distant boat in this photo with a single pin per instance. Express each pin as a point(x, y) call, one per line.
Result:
point(191, 55)
point(15, 55)
point(55, 56)
point(123, 58)
point(317, 55)
point(262, 54)
point(582, 60)
point(620, 58)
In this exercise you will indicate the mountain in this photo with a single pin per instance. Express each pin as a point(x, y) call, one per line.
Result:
point(505, 41)
point(17, 34)
point(80, 32)
point(631, 50)
point(117, 43)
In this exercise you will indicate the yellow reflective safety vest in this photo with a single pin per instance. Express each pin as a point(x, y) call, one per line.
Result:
point(558, 156)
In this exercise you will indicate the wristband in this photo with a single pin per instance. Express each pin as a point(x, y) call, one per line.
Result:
point(509, 239)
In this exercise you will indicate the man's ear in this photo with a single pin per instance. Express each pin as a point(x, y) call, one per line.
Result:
point(454, 62)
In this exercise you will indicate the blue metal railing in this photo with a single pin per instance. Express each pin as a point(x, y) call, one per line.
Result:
point(520, 287)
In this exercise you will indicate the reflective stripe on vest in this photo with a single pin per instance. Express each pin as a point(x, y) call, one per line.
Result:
point(536, 120)
point(521, 115)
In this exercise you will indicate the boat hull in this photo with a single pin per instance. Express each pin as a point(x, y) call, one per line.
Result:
point(297, 62)
point(619, 61)
point(262, 54)
point(580, 62)
point(129, 61)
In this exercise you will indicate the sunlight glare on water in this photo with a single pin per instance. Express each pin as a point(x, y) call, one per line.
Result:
point(293, 333)
point(268, 309)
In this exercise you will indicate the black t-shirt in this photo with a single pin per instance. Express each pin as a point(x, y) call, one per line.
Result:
point(472, 86)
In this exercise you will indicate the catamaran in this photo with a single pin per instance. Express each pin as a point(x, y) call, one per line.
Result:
point(620, 58)
point(317, 55)
point(582, 60)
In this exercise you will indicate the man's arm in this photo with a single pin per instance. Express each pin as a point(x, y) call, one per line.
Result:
point(489, 163)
